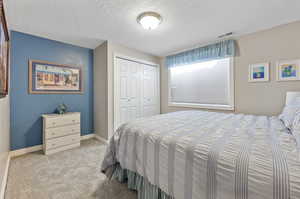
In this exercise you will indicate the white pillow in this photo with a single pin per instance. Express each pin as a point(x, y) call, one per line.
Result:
point(296, 128)
point(295, 102)
point(288, 115)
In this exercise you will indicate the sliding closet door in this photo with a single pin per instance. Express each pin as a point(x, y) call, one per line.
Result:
point(150, 92)
point(136, 91)
point(128, 91)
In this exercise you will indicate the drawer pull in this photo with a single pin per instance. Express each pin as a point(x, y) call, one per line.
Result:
point(53, 123)
point(73, 120)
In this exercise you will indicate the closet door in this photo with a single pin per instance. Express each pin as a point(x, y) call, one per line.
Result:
point(127, 93)
point(150, 91)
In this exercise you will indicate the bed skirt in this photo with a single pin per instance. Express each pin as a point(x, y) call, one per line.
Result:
point(144, 188)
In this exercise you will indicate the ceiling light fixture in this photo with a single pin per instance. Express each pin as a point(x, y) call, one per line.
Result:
point(149, 20)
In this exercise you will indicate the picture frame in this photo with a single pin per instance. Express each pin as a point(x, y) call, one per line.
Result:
point(259, 72)
point(51, 78)
point(288, 70)
point(4, 54)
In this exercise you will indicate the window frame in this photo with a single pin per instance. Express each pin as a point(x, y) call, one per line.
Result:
point(230, 106)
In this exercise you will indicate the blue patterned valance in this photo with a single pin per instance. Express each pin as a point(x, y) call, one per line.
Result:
point(214, 51)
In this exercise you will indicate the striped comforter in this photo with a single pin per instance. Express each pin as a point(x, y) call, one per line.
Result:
point(207, 155)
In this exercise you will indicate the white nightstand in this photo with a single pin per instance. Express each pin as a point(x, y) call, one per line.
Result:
point(60, 132)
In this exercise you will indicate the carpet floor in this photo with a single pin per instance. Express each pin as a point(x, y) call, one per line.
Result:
point(72, 174)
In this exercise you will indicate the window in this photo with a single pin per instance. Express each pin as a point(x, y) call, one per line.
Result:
point(206, 84)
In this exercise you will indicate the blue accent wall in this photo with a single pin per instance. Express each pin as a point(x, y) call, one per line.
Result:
point(26, 109)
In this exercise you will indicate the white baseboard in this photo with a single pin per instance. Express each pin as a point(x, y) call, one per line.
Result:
point(4, 181)
point(24, 151)
point(88, 136)
point(55, 150)
point(101, 139)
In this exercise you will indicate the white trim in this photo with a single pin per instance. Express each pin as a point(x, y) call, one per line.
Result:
point(232, 83)
point(115, 93)
point(63, 148)
point(24, 151)
point(101, 139)
point(88, 136)
point(230, 106)
point(116, 54)
point(202, 106)
point(4, 180)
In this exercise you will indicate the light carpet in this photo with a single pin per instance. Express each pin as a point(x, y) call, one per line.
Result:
point(72, 174)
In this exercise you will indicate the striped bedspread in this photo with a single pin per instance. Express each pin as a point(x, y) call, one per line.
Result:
point(207, 155)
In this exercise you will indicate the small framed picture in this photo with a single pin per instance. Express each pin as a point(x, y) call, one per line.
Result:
point(259, 72)
point(288, 70)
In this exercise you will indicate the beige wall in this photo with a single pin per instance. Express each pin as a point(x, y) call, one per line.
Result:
point(266, 46)
point(100, 90)
point(104, 118)
point(4, 138)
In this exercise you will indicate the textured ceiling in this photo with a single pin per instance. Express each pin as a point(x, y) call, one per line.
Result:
point(186, 23)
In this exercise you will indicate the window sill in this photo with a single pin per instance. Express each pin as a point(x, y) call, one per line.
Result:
point(202, 106)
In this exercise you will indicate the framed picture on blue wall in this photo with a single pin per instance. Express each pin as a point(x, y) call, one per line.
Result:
point(46, 78)
point(288, 70)
point(259, 72)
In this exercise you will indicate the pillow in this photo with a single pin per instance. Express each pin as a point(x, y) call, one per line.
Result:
point(296, 128)
point(288, 115)
point(295, 101)
point(296, 123)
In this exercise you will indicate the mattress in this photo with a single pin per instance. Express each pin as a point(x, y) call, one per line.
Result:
point(208, 155)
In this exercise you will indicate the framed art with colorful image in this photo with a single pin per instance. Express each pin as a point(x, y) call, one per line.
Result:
point(288, 70)
point(259, 72)
point(46, 78)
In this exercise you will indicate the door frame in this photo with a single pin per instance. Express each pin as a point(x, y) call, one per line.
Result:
point(115, 87)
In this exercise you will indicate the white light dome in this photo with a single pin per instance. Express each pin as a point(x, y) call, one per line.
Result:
point(149, 20)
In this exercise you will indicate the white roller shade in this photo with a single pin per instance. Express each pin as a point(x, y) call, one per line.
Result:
point(202, 83)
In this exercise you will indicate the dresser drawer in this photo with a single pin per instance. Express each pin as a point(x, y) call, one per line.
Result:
point(62, 131)
point(62, 141)
point(63, 120)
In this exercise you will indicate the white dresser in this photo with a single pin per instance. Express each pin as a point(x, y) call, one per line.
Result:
point(60, 132)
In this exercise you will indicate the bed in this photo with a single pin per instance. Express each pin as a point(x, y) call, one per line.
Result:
point(205, 155)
